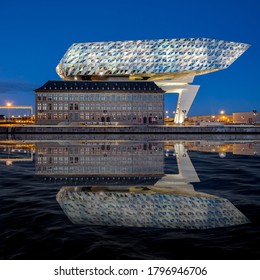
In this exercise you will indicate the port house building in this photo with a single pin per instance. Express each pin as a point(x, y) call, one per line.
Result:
point(100, 102)
point(124, 82)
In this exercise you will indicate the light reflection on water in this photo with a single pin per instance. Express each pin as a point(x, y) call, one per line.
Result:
point(132, 184)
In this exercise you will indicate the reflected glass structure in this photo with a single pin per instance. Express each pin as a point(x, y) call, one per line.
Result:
point(114, 193)
point(149, 207)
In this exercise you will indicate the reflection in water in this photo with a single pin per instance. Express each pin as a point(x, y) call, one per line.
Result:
point(16, 152)
point(122, 183)
point(148, 207)
point(98, 160)
point(171, 202)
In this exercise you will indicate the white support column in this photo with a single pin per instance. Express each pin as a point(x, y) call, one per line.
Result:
point(187, 173)
point(186, 93)
point(185, 99)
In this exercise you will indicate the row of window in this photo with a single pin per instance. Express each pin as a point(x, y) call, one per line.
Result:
point(98, 106)
point(96, 149)
point(100, 169)
point(99, 117)
point(97, 160)
point(98, 97)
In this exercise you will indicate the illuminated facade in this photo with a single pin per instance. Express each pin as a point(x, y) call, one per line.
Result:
point(99, 102)
point(170, 65)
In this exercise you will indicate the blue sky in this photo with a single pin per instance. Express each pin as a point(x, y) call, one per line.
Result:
point(35, 35)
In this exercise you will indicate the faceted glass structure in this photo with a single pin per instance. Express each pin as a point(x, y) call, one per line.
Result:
point(148, 58)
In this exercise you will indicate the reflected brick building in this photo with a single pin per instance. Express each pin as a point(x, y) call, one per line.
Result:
point(108, 160)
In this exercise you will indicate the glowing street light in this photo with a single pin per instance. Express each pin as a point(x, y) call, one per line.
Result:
point(222, 112)
point(8, 104)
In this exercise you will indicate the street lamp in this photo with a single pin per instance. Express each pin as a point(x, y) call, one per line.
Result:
point(222, 112)
point(255, 114)
point(8, 104)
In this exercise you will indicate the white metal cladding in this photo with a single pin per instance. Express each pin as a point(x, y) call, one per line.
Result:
point(148, 57)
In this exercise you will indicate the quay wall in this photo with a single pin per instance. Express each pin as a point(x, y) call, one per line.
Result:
point(33, 129)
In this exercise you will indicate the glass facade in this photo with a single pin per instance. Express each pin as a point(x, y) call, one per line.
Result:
point(148, 57)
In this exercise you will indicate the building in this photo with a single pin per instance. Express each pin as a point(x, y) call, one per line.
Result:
point(210, 118)
point(236, 118)
point(246, 118)
point(135, 75)
point(100, 102)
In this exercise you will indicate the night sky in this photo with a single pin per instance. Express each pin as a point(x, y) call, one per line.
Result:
point(35, 35)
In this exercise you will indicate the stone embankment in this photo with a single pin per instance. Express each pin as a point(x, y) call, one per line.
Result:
point(33, 129)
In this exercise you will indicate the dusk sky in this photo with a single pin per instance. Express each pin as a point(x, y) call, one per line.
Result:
point(35, 35)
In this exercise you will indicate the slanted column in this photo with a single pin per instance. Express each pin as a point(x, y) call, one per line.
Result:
point(187, 173)
point(185, 99)
point(186, 91)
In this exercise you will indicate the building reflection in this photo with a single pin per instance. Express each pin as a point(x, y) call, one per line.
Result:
point(123, 183)
point(100, 161)
point(248, 148)
point(171, 202)
point(11, 152)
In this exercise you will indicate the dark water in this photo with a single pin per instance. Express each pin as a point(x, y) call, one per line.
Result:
point(34, 226)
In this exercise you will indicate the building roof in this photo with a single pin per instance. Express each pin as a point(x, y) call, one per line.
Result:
point(97, 86)
point(149, 58)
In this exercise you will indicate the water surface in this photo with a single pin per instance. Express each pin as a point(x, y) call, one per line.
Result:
point(139, 199)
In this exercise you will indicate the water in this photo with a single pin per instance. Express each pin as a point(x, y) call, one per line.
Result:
point(139, 199)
